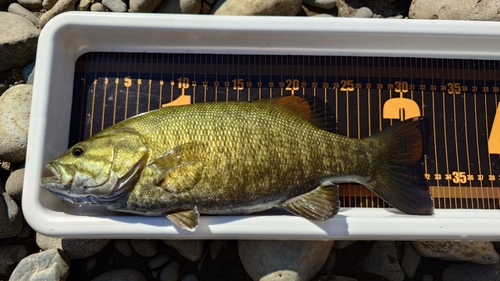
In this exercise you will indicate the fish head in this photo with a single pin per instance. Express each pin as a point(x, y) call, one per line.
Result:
point(100, 169)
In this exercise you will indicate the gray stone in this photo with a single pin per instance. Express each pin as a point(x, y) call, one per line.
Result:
point(158, 261)
point(18, 40)
point(30, 4)
point(341, 244)
point(283, 260)
point(323, 4)
point(345, 10)
point(123, 246)
point(170, 273)
point(331, 277)
point(427, 277)
point(180, 6)
point(146, 248)
point(25, 231)
point(257, 7)
point(4, 165)
point(411, 259)
point(75, 248)
point(205, 8)
point(310, 11)
point(282, 275)
point(98, 7)
point(84, 5)
point(49, 4)
point(10, 256)
point(474, 251)
point(60, 7)
point(472, 272)
point(383, 260)
point(215, 246)
point(190, 277)
point(3, 87)
point(363, 12)
point(14, 122)
point(47, 265)
point(11, 221)
point(19, 10)
point(329, 263)
point(144, 6)
point(90, 263)
point(455, 10)
point(121, 275)
point(190, 249)
point(323, 15)
point(14, 184)
point(115, 5)
point(342, 278)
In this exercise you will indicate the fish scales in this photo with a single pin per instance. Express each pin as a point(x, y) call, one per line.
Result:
point(265, 152)
point(237, 157)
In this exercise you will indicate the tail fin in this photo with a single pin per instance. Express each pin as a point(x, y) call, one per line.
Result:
point(399, 178)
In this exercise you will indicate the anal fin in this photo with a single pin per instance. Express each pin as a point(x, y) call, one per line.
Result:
point(319, 204)
point(187, 220)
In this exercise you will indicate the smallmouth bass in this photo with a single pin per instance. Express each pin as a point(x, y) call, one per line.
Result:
point(238, 158)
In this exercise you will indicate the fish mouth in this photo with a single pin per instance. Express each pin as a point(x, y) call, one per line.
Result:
point(60, 184)
point(63, 188)
point(63, 191)
point(63, 174)
point(53, 185)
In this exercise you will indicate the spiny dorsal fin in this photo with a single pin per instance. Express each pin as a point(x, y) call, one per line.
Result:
point(319, 204)
point(310, 108)
point(293, 104)
point(187, 220)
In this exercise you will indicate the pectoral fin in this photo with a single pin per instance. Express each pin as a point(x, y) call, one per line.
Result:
point(186, 219)
point(182, 179)
point(179, 169)
point(319, 204)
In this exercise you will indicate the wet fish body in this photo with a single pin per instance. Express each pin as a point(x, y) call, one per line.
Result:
point(238, 158)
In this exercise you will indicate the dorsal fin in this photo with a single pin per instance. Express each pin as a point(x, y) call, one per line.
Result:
point(311, 109)
point(294, 104)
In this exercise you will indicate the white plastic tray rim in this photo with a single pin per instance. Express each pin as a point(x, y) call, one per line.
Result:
point(72, 34)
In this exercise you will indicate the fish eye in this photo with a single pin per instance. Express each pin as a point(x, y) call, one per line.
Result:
point(77, 151)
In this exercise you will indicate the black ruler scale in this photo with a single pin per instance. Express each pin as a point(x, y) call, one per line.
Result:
point(364, 94)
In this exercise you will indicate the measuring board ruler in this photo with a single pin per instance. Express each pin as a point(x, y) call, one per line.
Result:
point(94, 70)
point(364, 95)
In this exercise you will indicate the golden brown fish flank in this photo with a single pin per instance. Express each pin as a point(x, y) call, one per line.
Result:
point(239, 157)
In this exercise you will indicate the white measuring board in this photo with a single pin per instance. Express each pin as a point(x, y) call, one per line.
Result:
point(407, 60)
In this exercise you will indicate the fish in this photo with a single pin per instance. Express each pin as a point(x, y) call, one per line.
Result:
point(238, 157)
